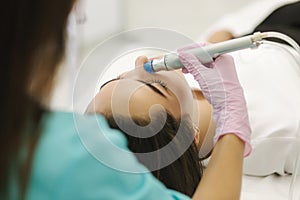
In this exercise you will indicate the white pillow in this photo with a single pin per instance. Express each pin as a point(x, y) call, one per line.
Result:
point(270, 77)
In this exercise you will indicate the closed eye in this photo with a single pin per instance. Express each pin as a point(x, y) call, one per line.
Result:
point(161, 83)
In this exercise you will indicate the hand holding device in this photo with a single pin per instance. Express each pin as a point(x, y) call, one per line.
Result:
point(221, 87)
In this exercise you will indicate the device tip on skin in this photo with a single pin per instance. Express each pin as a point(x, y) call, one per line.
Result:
point(148, 67)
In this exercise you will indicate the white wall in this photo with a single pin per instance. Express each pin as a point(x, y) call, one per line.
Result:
point(189, 17)
point(103, 18)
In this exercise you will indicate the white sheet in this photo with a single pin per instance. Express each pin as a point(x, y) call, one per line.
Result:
point(272, 187)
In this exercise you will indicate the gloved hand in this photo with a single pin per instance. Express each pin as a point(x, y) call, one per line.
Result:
point(221, 87)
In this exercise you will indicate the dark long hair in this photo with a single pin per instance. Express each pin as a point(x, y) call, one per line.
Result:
point(184, 173)
point(32, 42)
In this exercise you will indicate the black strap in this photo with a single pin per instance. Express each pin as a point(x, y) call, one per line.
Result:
point(285, 19)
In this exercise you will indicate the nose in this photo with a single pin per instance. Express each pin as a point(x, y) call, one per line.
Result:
point(139, 62)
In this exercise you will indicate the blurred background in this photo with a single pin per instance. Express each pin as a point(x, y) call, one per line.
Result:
point(94, 21)
point(189, 17)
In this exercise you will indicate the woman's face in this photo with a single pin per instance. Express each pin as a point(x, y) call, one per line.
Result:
point(137, 93)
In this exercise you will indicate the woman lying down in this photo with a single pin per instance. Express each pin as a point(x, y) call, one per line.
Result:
point(166, 123)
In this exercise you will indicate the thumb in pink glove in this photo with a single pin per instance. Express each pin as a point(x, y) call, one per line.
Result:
point(221, 87)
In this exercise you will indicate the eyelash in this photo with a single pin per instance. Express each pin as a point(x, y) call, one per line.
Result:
point(163, 84)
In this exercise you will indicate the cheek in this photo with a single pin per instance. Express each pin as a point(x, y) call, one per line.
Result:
point(183, 99)
point(174, 107)
point(181, 90)
point(205, 115)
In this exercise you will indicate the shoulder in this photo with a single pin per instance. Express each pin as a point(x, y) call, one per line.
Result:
point(79, 157)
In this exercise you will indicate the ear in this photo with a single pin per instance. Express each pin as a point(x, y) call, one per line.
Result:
point(196, 135)
point(197, 94)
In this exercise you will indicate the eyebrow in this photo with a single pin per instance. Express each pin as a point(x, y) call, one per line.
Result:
point(153, 88)
point(114, 79)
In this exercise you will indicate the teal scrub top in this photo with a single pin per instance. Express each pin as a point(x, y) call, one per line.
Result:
point(80, 157)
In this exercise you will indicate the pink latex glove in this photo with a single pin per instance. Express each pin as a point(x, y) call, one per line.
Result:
point(221, 87)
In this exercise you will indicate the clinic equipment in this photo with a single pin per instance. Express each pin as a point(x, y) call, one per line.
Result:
point(207, 54)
